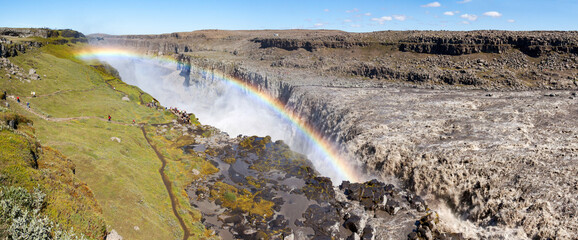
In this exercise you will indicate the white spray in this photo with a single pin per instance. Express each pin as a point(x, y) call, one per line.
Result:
point(217, 103)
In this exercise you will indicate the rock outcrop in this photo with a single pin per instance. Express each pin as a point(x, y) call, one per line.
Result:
point(263, 190)
point(534, 44)
point(13, 40)
point(9, 48)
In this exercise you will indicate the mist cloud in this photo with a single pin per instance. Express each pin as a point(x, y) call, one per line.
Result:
point(216, 102)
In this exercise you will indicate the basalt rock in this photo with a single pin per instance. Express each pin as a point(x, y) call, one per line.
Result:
point(322, 212)
point(10, 49)
point(531, 43)
point(354, 224)
point(324, 220)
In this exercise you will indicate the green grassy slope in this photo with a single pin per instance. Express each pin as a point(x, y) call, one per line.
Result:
point(69, 113)
point(26, 164)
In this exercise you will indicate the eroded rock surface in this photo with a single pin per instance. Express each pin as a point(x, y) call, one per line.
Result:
point(264, 190)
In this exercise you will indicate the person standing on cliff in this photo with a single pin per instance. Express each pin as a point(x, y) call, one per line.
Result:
point(109, 117)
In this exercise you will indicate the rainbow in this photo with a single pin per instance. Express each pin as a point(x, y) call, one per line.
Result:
point(339, 163)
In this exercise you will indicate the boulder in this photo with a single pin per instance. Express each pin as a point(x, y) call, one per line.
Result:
point(113, 235)
point(392, 207)
point(321, 219)
point(425, 233)
point(368, 233)
point(354, 224)
point(279, 223)
point(417, 202)
point(353, 236)
point(289, 237)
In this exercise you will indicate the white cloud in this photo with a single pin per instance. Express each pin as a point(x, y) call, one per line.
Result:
point(399, 17)
point(382, 20)
point(493, 14)
point(319, 24)
point(326, 10)
point(470, 17)
point(450, 13)
point(347, 20)
point(464, 1)
point(352, 10)
point(367, 14)
point(355, 25)
point(511, 20)
point(465, 22)
point(433, 4)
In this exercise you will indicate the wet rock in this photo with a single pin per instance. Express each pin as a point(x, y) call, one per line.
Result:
point(417, 202)
point(353, 236)
point(392, 206)
point(322, 219)
point(237, 219)
point(319, 189)
point(425, 233)
point(368, 203)
point(368, 233)
point(322, 237)
point(278, 203)
point(300, 222)
point(289, 237)
point(426, 227)
point(430, 219)
point(389, 188)
point(370, 194)
point(354, 223)
point(279, 223)
point(352, 190)
point(260, 235)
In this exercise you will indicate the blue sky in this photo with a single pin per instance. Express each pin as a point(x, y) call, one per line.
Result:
point(150, 17)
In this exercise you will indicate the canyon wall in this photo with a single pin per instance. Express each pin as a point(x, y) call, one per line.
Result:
point(533, 44)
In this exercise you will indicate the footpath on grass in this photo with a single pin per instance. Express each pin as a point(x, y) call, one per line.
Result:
point(135, 176)
point(48, 118)
point(166, 181)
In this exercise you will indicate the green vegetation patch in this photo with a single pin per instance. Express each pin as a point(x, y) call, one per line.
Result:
point(123, 175)
point(21, 217)
point(241, 199)
point(66, 203)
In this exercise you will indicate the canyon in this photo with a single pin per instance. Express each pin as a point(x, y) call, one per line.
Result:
point(480, 124)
